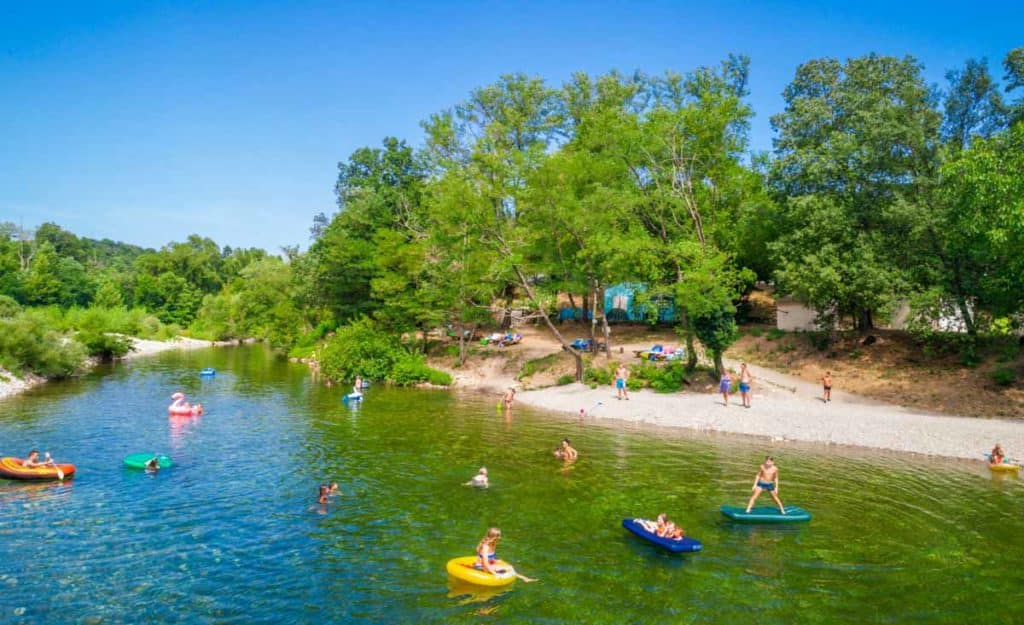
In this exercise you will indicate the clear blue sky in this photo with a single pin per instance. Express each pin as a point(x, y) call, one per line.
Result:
point(146, 121)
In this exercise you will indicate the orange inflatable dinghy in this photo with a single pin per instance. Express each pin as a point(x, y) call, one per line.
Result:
point(14, 469)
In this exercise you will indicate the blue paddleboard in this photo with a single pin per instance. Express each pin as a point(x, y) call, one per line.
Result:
point(683, 545)
point(766, 514)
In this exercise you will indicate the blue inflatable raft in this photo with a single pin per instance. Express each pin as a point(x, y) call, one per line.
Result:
point(209, 371)
point(766, 514)
point(683, 545)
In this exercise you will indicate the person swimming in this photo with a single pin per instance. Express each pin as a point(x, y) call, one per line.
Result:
point(333, 489)
point(324, 491)
point(566, 451)
point(480, 479)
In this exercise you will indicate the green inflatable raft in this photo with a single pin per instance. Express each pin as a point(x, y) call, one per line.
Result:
point(766, 514)
point(138, 461)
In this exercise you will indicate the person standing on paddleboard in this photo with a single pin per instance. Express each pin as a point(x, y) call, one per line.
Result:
point(767, 479)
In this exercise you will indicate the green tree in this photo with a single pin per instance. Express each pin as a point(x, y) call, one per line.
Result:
point(41, 282)
point(854, 140)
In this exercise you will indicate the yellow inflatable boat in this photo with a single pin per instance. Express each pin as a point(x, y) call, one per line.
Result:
point(462, 568)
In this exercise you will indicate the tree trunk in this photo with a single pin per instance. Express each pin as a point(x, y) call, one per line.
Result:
point(691, 352)
point(576, 354)
point(965, 312)
point(865, 323)
point(607, 335)
point(719, 365)
point(592, 303)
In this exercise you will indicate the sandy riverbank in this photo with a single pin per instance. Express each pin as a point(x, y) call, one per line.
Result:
point(785, 407)
point(783, 414)
point(12, 385)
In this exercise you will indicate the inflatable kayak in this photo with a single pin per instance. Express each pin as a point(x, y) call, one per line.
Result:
point(1004, 467)
point(209, 371)
point(12, 469)
point(138, 461)
point(462, 568)
point(683, 545)
point(766, 514)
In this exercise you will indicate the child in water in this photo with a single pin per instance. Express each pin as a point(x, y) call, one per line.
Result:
point(997, 456)
point(322, 499)
point(479, 480)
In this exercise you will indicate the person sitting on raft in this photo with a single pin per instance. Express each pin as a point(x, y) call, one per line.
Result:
point(997, 456)
point(662, 527)
point(180, 405)
point(32, 461)
point(479, 480)
point(153, 464)
point(767, 479)
point(486, 555)
point(566, 451)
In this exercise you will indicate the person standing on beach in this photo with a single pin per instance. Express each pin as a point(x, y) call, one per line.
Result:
point(826, 383)
point(724, 386)
point(746, 379)
point(767, 479)
point(621, 375)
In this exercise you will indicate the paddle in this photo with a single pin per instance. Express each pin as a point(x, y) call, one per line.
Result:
point(60, 474)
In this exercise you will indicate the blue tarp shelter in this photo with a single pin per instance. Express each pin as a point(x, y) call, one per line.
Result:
point(620, 304)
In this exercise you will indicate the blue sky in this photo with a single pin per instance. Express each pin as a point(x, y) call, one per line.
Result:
point(147, 121)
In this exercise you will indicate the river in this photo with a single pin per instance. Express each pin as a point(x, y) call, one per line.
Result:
point(232, 533)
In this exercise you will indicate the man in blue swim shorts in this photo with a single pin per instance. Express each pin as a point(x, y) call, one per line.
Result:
point(621, 375)
point(745, 381)
point(767, 479)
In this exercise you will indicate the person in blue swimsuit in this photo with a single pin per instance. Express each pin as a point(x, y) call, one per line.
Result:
point(724, 386)
point(621, 376)
point(487, 556)
point(745, 380)
point(767, 479)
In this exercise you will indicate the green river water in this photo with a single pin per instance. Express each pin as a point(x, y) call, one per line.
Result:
point(232, 533)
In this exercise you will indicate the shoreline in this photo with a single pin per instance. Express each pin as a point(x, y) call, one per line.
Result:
point(781, 415)
point(11, 385)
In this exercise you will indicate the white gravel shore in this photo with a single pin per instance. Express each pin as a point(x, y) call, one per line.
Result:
point(12, 385)
point(790, 409)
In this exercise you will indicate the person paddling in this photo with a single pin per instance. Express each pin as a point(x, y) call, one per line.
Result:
point(32, 462)
point(767, 479)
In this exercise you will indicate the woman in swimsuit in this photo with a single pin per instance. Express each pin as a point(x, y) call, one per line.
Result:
point(486, 555)
point(724, 386)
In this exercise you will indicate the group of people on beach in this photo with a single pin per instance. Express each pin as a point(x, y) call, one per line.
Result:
point(747, 379)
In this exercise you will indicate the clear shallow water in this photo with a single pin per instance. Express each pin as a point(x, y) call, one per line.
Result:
point(232, 533)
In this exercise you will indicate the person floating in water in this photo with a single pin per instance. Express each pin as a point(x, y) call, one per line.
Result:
point(324, 492)
point(480, 479)
point(997, 456)
point(767, 479)
point(153, 464)
point(357, 388)
point(509, 397)
point(486, 556)
point(333, 489)
point(566, 451)
point(32, 461)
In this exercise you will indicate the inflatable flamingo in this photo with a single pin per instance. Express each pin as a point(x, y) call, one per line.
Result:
point(182, 407)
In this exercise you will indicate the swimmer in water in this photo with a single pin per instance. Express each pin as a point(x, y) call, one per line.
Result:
point(479, 480)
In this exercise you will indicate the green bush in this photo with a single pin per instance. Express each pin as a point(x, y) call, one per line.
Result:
point(775, 333)
point(601, 376)
point(9, 307)
point(634, 384)
point(29, 344)
point(411, 369)
point(105, 346)
point(568, 378)
point(360, 348)
point(1004, 376)
point(531, 367)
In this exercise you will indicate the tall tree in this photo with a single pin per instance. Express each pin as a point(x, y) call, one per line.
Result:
point(854, 139)
point(973, 106)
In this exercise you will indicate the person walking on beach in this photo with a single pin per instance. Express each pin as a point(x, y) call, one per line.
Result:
point(826, 384)
point(767, 479)
point(745, 381)
point(724, 386)
point(621, 375)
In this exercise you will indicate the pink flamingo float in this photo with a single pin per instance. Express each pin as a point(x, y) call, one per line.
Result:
point(182, 407)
